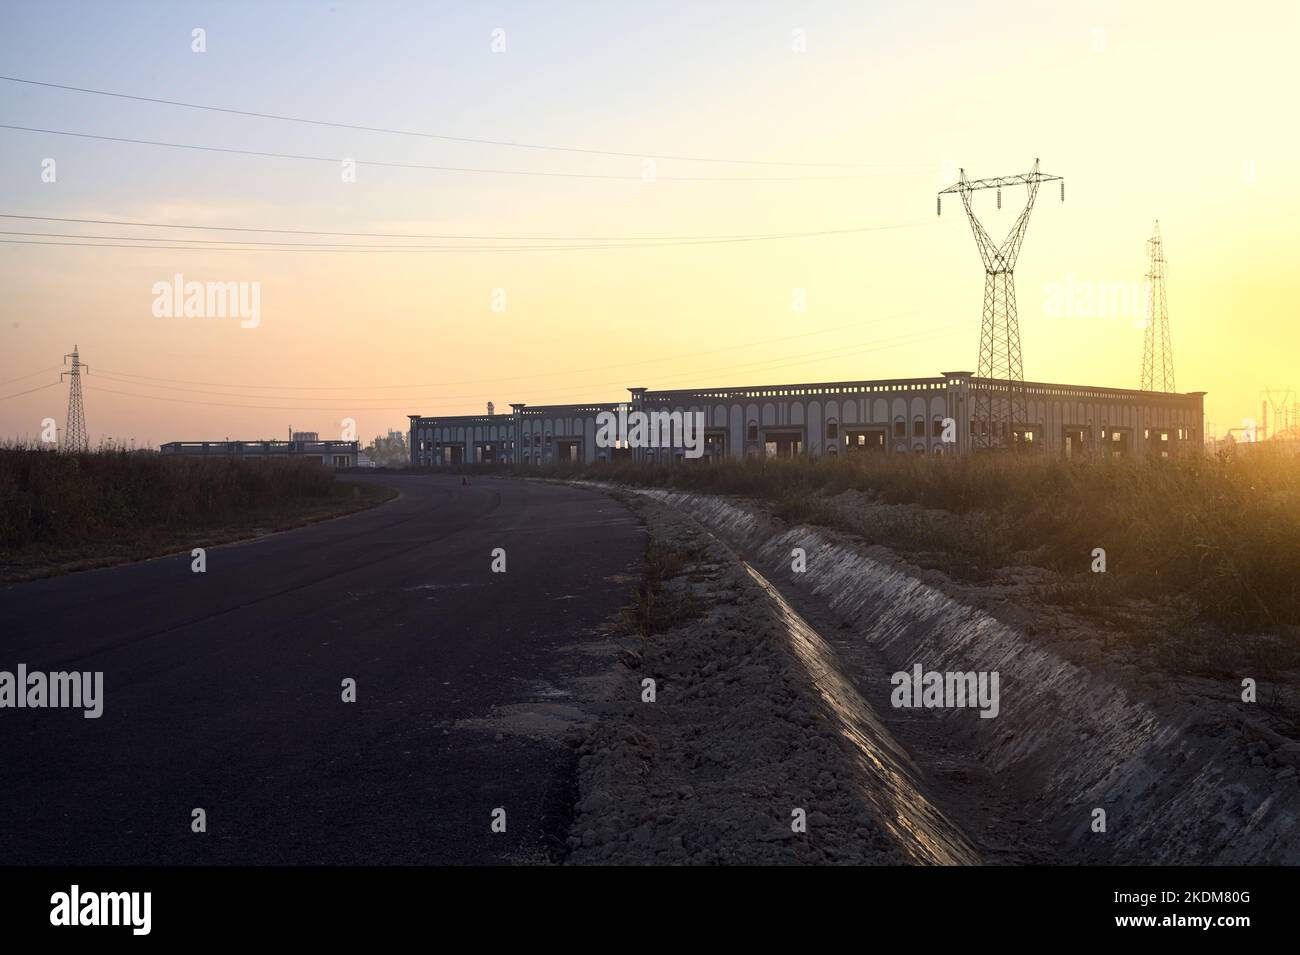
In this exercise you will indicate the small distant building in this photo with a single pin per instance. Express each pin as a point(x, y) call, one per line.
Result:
point(331, 454)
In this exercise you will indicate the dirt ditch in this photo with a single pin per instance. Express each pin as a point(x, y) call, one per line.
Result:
point(773, 694)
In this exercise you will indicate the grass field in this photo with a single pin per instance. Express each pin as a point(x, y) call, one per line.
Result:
point(1221, 536)
point(62, 512)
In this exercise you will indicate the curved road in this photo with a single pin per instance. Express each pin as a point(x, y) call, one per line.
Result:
point(223, 690)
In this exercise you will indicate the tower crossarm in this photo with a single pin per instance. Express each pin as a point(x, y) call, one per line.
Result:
point(965, 185)
point(1000, 257)
point(971, 185)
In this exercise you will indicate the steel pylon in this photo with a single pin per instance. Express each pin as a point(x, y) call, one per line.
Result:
point(1157, 349)
point(1000, 414)
point(74, 430)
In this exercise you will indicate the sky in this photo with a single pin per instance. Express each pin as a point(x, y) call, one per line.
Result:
point(835, 117)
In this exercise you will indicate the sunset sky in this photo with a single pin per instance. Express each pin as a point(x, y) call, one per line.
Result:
point(1180, 112)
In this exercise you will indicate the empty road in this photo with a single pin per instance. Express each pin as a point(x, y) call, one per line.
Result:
point(223, 690)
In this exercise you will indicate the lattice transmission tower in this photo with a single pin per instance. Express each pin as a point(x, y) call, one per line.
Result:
point(1279, 414)
point(1157, 349)
point(74, 430)
point(1000, 415)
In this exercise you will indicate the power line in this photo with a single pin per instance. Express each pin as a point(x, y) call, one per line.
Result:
point(412, 235)
point(29, 391)
point(453, 249)
point(295, 246)
point(810, 356)
point(428, 167)
point(431, 398)
point(878, 345)
point(33, 374)
point(227, 242)
point(218, 404)
point(328, 248)
point(426, 135)
point(235, 394)
point(478, 381)
point(248, 245)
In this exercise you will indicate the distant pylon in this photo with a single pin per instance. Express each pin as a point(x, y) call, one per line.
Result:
point(1000, 404)
point(1281, 403)
point(74, 430)
point(1157, 349)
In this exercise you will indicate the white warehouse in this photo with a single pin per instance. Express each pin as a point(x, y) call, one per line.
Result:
point(902, 415)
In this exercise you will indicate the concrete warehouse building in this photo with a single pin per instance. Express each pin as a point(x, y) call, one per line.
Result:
point(304, 447)
point(896, 416)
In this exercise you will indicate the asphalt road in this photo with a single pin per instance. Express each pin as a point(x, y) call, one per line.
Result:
point(223, 690)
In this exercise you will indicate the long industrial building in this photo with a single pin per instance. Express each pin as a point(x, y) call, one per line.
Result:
point(305, 446)
point(896, 416)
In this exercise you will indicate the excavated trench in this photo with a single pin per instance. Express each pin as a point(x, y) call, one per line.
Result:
point(1174, 782)
point(886, 777)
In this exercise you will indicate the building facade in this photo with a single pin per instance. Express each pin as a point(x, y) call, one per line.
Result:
point(331, 454)
point(895, 416)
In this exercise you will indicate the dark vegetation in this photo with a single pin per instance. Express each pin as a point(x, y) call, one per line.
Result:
point(657, 607)
point(69, 511)
point(1218, 536)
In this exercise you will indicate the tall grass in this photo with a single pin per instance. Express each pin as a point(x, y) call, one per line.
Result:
point(1220, 535)
point(69, 500)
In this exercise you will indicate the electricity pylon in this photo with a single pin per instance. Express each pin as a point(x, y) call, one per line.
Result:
point(999, 391)
point(1157, 349)
point(1280, 403)
point(74, 431)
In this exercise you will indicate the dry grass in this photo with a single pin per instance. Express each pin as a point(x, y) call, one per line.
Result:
point(655, 607)
point(1221, 536)
point(70, 511)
